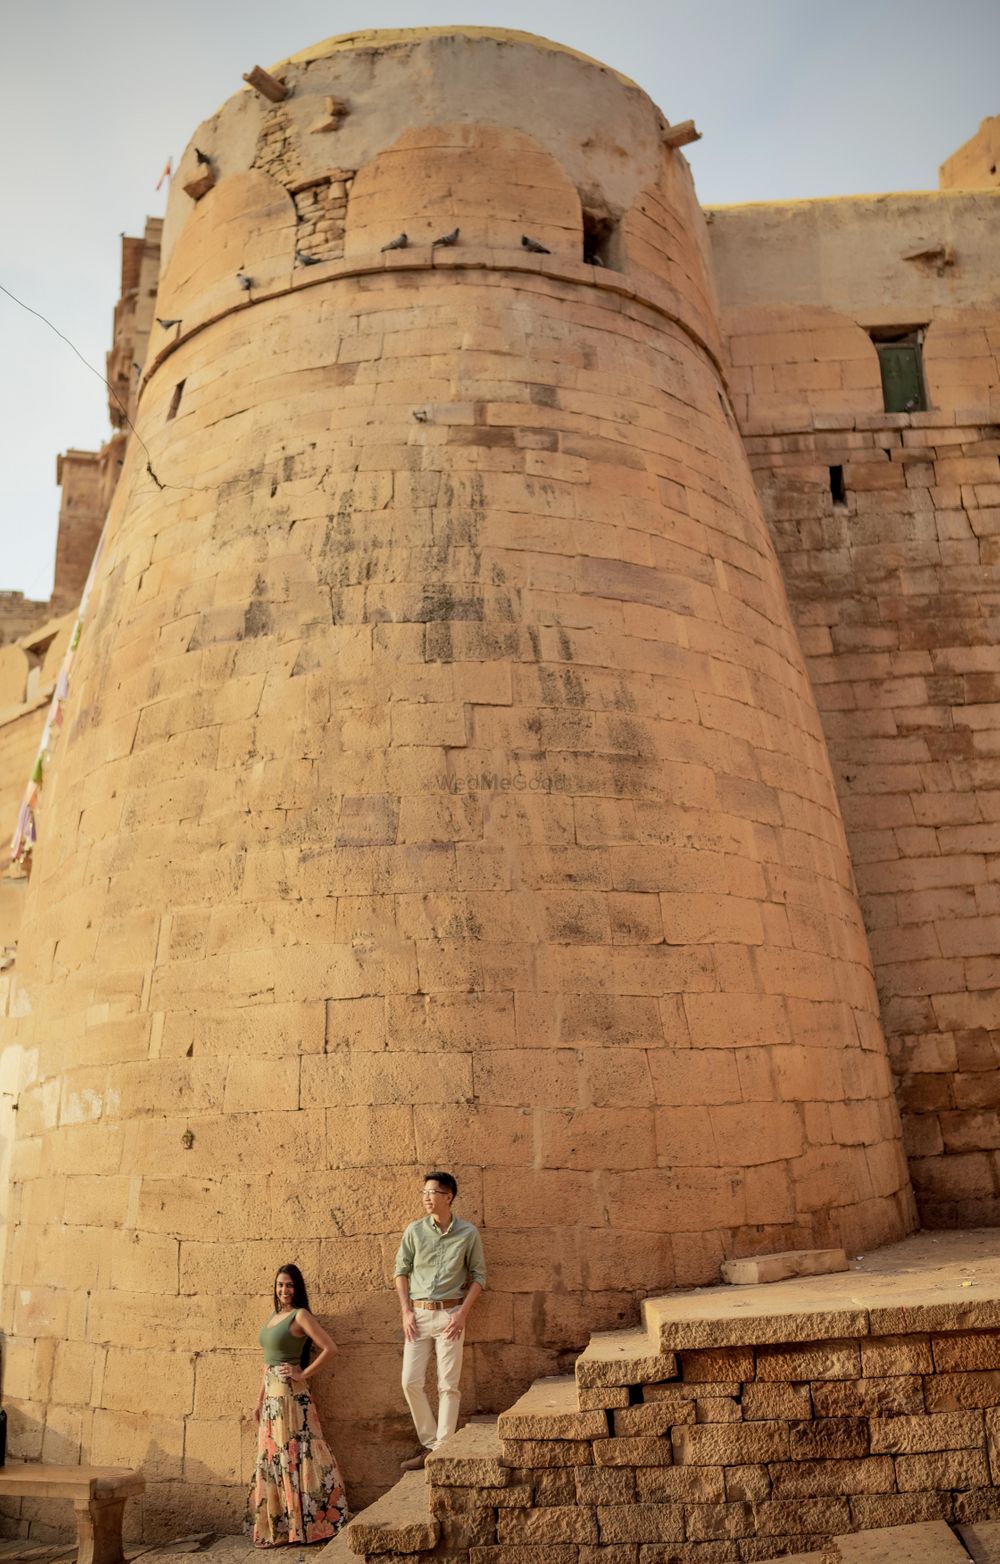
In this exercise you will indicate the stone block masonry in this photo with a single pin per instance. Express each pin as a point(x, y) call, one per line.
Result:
point(441, 784)
point(893, 591)
point(763, 1434)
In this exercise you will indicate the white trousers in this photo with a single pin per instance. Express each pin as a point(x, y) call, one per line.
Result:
point(431, 1326)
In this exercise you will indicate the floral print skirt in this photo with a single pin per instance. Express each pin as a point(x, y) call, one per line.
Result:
point(297, 1494)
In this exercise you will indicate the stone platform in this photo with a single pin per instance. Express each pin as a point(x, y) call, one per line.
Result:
point(740, 1423)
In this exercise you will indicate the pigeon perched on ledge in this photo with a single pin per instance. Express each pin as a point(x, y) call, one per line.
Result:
point(446, 240)
point(306, 260)
point(166, 324)
point(534, 245)
point(399, 243)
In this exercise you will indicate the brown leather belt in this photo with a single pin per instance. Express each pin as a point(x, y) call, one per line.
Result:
point(435, 1303)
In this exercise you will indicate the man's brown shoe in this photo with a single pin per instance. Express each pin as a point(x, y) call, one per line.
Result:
point(416, 1462)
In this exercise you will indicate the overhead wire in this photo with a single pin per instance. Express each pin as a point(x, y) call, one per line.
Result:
point(160, 484)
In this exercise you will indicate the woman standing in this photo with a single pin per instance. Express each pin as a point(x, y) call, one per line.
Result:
point(297, 1493)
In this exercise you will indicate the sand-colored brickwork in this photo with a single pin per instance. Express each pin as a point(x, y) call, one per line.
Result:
point(738, 1424)
point(441, 784)
point(893, 590)
point(974, 165)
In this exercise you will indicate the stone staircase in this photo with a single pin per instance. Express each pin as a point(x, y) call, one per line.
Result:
point(843, 1418)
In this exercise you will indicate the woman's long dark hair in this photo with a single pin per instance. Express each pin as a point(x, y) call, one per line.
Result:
point(300, 1300)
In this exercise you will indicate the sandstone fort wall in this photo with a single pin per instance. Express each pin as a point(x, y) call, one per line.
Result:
point(442, 782)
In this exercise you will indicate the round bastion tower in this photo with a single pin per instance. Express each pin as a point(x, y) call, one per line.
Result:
point(441, 786)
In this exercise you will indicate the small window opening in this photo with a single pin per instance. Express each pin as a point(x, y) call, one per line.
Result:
point(34, 652)
point(601, 244)
point(175, 400)
point(900, 362)
point(837, 486)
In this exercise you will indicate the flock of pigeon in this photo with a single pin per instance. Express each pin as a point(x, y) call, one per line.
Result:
point(400, 242)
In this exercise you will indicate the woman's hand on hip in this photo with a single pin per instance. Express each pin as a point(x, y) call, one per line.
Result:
point(289, 1372)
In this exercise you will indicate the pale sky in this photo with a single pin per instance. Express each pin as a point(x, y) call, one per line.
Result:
point(794, 98)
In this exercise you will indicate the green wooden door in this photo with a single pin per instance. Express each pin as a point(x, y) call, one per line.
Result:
point(902, 379)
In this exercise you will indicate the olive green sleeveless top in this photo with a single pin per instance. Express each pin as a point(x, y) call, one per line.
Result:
point(279, 1345)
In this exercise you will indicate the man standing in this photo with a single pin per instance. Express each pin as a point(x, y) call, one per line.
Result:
point(440, 1273)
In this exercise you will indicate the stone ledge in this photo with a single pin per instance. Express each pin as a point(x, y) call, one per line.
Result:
point(396, 1523)
point(928, 1542)
point(941, 1281)
point(783, 1266)
point(550, 1410)
point(626, 1357)
point(471, 1458)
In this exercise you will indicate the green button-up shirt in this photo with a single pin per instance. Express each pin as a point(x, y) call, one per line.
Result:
point(441, 1264)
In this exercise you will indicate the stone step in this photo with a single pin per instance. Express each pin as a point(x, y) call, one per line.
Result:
point(399, 1522)
point(339, 1551)
point(801, 1558)
point(982, 1541)
point(470, 1458)
point(754, 1316)
point(623, 1357)
point(550, 1409)
point(928, 1542)
point(783, 1265)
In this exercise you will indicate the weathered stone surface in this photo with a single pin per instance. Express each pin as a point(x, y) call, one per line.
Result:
point(751, 1481)
point(549, 1410)
point(555, 1484)
point(532, 1453)
point(396, 1523)
point(604, 1396)
point(613, 1553)
point(473, 1459)
point(458, 1501)
point(605, 1485)
point(729, 1444)
point(622, 1358)
point(820, 1360)
point(829, 1437)
point(966, 1350)
point(552, 1523)
point(779, 1267)
point(641, 1522)
point(526, 1553)
point(982, 1539)
point(873, 1510)
point(643, 1450)
point(679, 1393)
point(209, 879)
point(656, 1417)
point(944, 1469)
point(473, 1528)
point(687, 1552)
point(883, 1355)
point(822, 1479)
point(928, 1542)
point(941, 1431)
point(776, 1400)
point(670, 1484)
point(952, 1392)
point(781, 1517)
point(715, 1364)
point(717, 1409)
point(705, 1522)
point(868, 1397)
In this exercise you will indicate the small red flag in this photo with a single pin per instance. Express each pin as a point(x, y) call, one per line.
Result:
point(167, 171)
